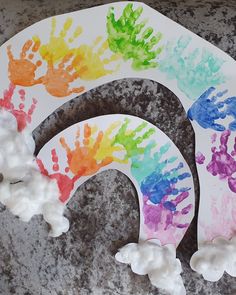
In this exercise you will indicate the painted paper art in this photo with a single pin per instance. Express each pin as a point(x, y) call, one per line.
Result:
point(59, 58)
point(142, 152)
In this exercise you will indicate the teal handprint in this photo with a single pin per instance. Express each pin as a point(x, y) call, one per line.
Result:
point(144, 165)
point(194, 71)
point(131, 39)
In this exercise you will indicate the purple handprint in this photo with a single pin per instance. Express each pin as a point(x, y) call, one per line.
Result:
point(165, 214)
point(223, 162)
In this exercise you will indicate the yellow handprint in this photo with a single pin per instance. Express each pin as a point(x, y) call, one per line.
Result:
point(92, 59)
point(58, 46)
point(106, 149)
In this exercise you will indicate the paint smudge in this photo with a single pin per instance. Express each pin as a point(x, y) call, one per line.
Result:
point(144, 165)
point(159, 184)
point(223, 218)
point(208, 109)
point(22, 71)
point(131, 39)
point(22, 116)
point(59, 46)
point(213, 138)
point(82, 159)
point(194, 72)
point(223, 163)
point(64, 182)
point(200, 158)
point(57, 79)
point(130, 140)
point(91, 59)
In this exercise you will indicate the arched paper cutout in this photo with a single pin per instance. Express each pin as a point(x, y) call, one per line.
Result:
point(138, 149)
point(189, 66)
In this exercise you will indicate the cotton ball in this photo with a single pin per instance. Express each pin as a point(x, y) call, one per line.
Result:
point(35, 194)
point(158, 262)
point(16, 149)
point(214, 258)
point(53, 214)
point(4, 191)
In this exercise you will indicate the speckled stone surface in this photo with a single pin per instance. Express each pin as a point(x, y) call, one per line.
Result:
point(104, 211)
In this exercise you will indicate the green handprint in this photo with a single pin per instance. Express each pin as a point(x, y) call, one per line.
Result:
point(129, 139)
point(132, 40)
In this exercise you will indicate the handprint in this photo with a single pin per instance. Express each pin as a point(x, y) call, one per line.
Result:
point(22, 117)
point(222, 162)
point(194, 72)
point(64, 182)
point(165, 214)
point(132, 40)
point(22, 71)
point(209, 108)
point(57, 80)
point(106, 148)
point(223, 218)
point(159, 184)
point(82, 160)
point(58, 46)
point(91, 59)
point(129, 139)
point(144, 165)
point(230, 104)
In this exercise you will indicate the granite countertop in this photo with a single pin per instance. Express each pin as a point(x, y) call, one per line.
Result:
point(104, 211)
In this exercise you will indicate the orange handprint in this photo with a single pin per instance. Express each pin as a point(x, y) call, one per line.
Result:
point(57, 80)
point(82, 160)
point(22, 71)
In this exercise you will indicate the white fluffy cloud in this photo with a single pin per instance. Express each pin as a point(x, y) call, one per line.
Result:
point(16, 148)
point(214, 258)
point(36, 194)
point(158, 262)
point(32, 193)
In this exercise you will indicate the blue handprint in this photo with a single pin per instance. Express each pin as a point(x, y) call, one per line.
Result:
point(231, 111)
point(206, 110)
point(157, 185)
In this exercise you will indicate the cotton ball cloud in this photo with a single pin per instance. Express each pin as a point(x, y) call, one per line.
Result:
point(35, 194)
point(158, 262)
point(214, 258)
point(16, 148)
point(23, 189)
